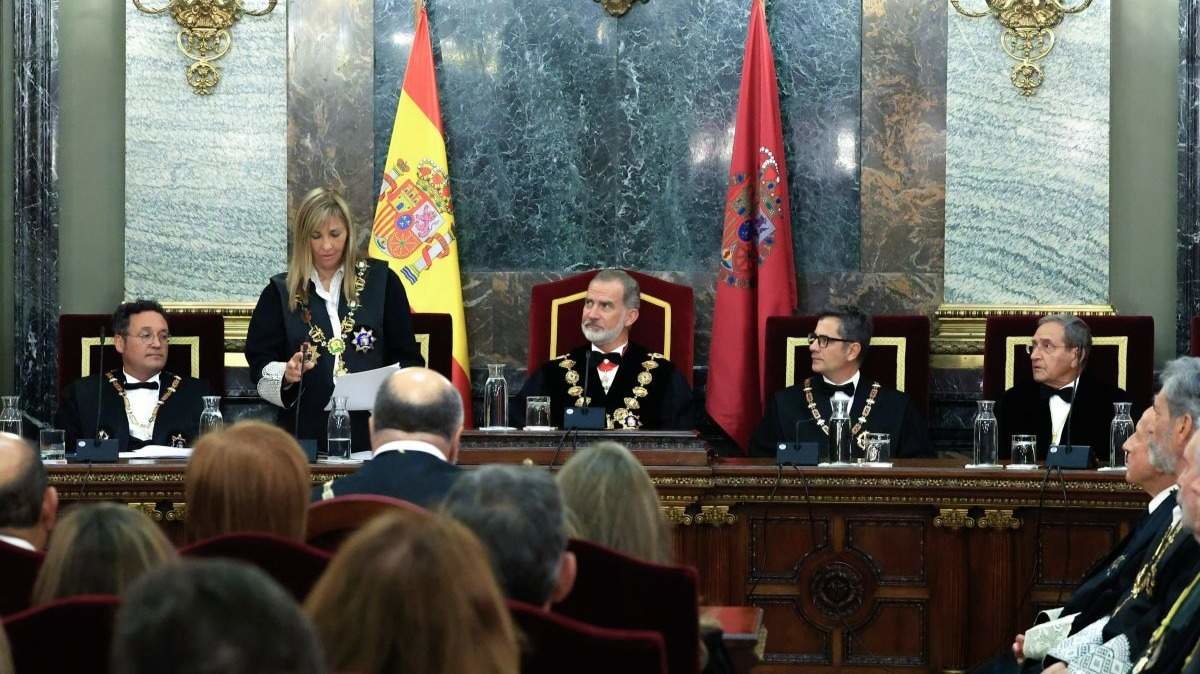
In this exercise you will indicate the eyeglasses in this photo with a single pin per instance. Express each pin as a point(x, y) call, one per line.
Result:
point(1046, 346)
point(823, 340)
point(146, 337)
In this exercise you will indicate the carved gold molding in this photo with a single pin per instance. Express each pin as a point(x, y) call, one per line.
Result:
point(204, 34)
point(1028, 35)
point(998, 520)
point(715, 515)
point(953, 519)
point(958, 335)
point(618, 7)
point(677, 515)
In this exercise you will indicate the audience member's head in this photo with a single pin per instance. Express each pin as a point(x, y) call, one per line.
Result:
point(28, 505)
point(1176, 412)
point(99, 549)
point(610, 500)
point(202, 616)
point(518, 514)
point(413, 592)
point(1059, 349)
point(249, 477)
point(417, 403)
point(1140, 469)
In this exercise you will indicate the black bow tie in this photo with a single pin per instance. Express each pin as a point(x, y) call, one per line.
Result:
point(614, 357)
point(134, 385)
point(830, 389)
point(1066, 393)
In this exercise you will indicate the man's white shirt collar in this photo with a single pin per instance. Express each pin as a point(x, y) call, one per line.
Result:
point(1160, 497)
point(131, 378)
point(18, 542)
point(851, 380)
point(409, 446)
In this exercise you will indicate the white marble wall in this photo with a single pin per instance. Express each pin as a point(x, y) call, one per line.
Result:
point(1027, 177)
point(205, 176)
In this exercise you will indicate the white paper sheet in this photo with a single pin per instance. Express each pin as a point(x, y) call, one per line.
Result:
point(158, 452)
point(359, 388)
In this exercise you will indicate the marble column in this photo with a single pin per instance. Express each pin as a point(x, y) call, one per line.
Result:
point(205, 176)
point(1188, 246)
point(1027, 177)
point(35, 134)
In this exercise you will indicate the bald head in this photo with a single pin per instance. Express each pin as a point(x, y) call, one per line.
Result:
point(27, 505)
point(417, 403)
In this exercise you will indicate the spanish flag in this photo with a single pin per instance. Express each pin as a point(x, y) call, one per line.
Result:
point(414, 217)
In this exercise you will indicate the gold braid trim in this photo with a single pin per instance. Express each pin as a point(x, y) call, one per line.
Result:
point(622, 417)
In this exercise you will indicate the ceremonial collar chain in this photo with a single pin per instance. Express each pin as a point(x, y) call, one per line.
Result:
point(1144, 583)
point(1154, 647)
point(622, 417)
point(337, 345)
point(144, 427)
point(824, 425)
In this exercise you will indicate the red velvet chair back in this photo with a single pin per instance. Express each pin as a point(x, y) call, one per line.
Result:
point(295, 566)
point(666, 321)
point(898, 357)
point(197, 347)
point(617, 591)
point(332, 521)
point(65, 636)
point(555, 644)
point(19, 568)
point(435, 337)
point(1122, 354)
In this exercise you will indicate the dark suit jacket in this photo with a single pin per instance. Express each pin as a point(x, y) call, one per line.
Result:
point(1025, 409)
point(894, 413)
point(416, 477)
point(178, 417)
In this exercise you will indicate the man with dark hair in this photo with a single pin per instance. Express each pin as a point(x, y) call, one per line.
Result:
point(143, 404)
point(636, 388)
point(518, 513)
point(28, 505)
point(1058, 355)
point(801, 412)
point(202, 616)
point(415, 428)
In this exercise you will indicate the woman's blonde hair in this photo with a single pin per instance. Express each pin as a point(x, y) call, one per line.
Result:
point(99, 549)
point(413, 592)
point(319, 205)
point(251, 476)
point(612, 502)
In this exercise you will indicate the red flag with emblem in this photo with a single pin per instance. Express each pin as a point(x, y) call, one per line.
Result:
point(757, 275)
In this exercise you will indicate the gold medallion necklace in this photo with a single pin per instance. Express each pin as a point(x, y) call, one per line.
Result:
point(147, 427)
point(862, 419)
point(337, 345)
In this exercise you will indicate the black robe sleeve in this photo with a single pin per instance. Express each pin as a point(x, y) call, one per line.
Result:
point(266, 340)
point(397, 325)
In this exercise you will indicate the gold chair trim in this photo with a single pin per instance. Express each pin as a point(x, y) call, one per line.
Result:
point(901, 344)
point(1012, 343)
point(560, 301)
point(86, 344)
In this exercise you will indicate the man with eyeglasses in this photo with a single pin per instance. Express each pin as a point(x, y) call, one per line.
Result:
point(142, 403)
point(1058, 354)
point(800, 413)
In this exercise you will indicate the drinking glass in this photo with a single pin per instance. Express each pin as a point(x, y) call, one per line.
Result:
point(53, 444)
point(537, 413)
point(878, 448)
point(10, 416)
point(1024, 450)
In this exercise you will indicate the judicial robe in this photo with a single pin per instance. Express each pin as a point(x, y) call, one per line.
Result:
point(1175, 646)
point(788, 419)
point(665, 405)
point(177, 422)
point(1024, 409)
point(416, 477)
point(382, 335)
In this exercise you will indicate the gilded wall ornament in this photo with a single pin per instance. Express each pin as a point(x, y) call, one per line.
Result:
point(1028, 35)
point(618, 7)
point(204, 34)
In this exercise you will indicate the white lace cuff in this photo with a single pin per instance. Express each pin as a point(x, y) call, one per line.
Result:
point(270, 384)
point(1111, 657)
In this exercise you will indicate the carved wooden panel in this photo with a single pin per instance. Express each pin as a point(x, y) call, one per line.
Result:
point(779, 542)
point(796, 641)
point(895, 635)
point(894, 546)
point(1067, 550)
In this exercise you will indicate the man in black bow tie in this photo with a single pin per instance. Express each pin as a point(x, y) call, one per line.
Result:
point(142, 404)
point(637, 388)
point(801, 412)
point(1058, 353)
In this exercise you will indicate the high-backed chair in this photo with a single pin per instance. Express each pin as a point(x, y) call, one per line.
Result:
point(19, 568)
point(435, 337)
point(295, 566)
point(197, 346)
point(555, 643)
point(897, 358)
point(617, 591)
point(64, 636)
point(1194, 346)
point(1122, 354)
point(332, 521)
point(666, 321)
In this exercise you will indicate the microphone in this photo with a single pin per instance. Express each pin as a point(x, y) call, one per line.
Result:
point(797, 453)
point(309, 445)
point(100, 385)
point(587, 417)
point(1064, 454)
point(95, 449)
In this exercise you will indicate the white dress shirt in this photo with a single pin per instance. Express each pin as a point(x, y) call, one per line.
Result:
point(141, 405)
point(409, 446)
point(839, 395)
point(1160, 497)
point(606, 378)
point(1058, 414)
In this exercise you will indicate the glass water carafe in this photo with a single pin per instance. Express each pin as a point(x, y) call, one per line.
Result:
point(210, 418)
point(495, 398)
point(1118, 432)
point(10, 417)
point(987, 435)
point(338, 430)
point(840, 441)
